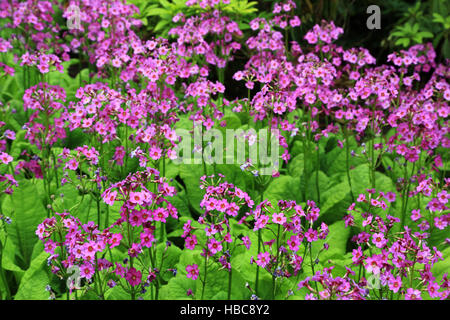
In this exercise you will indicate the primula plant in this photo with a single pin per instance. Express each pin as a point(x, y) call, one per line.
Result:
point(213, 153)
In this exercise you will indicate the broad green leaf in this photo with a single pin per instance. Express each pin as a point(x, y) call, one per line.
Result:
point(283, 187)
point(337, 240)
point(334, 201)
point(26, 212)
point(32, 286)
point(443, 266)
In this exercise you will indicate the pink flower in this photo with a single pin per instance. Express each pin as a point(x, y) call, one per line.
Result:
point(310, 98)
point(155, 153)
point(192, 271)
point(373, 265)
point(293, 243)
point(433, 289)
point(5, 158)
point(261, 222)
point(395, 283)
point(379, 240)
point(246, 242)
point(279, 218)
point(134, 250)
point(415, 215)
point(87, 270)
point(137, 198)
point(412, 294)
point(115, 239)
point(134, 277)
point(214, 246)
point(191, 242)
point(110, 197)
point(147, 238)
point(311, 235)
point(135, 218)
point(263, 259)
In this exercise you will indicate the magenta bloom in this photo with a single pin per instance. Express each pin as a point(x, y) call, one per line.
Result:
point(147, 238)
point(110, 197)
point(412, 294)
point(261, 222)
point(246, 241)
point(415, 215)
point(115, 240)
point(293, 243)
point(311, 235)
point(263, 259)
point(379, 240)
point(214, 246)
point(87, 270)
point(395, 284)
point(373, 265)
point(134, 250)
point(192, 271)
point(134, 277)
point(191, 241)
point(278, 218)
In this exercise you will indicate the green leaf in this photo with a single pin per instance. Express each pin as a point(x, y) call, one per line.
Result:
point(190, 174)
point(403, 41)
point(333, 202)
point(171, 258)
point(438, 18)
point(443, 266)
point(337, 239)
point(283, 187)
point(32, 286)
point(26, 212)
point(361, 180)
point(426, 34)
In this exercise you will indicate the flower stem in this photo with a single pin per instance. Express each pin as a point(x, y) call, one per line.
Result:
point(257, 267)
point(204, 278)
point(230, 276)
point(347, 163)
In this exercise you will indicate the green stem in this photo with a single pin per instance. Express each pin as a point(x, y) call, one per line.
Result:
point(230, 275)
point(276, 263)
point(56, 170)
point(312, 267)
point(372, 149)
point(98, 210)
point(406, 196)
point(317, 175)
point(347, 163)
point(3, 276)
point(204, 278)
point(257, 267)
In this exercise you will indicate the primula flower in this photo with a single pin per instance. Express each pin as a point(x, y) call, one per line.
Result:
point(379, 240)
point(395, 283)
point(134, 277)
point(413, 294)
point(87, 270)
point(263, 259)
point(279, 218)
point(373, 265)
point(192, 271)
point(415, 215)
point(214, 246)
point(246, 242)
point(311, 235)
point(5, 158)
point(191, 242)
